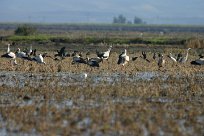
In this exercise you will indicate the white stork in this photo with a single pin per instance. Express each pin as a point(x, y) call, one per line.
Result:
point(8, 49)
point(10, 55)
point(180, 59)
point(39, 59)
point(184, 59)
point(104, 55)
point(172, 58)
point(123, 58)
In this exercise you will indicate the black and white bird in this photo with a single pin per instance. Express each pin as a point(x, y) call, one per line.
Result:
point(10, 55)
point(20, 54)
point(123, 58)
point(180, 57)
point(104, 55)
point(78, 59)
point(172, 58)
point(185, 58)
point(199, 61)
point(39, 59)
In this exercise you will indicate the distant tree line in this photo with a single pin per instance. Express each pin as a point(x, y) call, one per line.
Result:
point(25, 30)
point(120, 19)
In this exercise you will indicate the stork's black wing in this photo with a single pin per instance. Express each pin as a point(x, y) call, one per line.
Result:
point(121, 60)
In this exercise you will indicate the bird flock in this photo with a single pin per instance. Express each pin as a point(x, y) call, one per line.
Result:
point(77, 57)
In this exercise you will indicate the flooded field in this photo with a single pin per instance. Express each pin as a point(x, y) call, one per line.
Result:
point(22, 79)
point(63, 103)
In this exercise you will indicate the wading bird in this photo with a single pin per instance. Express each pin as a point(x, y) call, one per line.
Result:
point(10, 55)
point(39, 59)
point(8, 49)
point(172, 58)
point(104, 55)
point(180, 58)
point(184, 59)
point(123, 58)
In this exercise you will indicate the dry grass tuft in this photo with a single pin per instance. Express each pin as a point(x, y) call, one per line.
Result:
point(195, 43)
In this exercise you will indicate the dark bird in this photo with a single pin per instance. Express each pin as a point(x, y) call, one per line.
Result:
point(62, 53)
point(179, 57)
point(144, 56)
point(154, 56)
point(93, 62)
point(199, 61)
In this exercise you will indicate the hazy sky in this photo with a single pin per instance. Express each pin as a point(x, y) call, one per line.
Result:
point(152, 11)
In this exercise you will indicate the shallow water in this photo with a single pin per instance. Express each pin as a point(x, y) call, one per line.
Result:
point(22, 79)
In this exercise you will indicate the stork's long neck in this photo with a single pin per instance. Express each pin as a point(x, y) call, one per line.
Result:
point(31, 48)
point(125, 52)
point(187, 54)
point(109, 49)
point(8, 50)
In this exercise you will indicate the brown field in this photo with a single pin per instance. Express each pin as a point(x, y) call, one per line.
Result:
point(113, 100)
